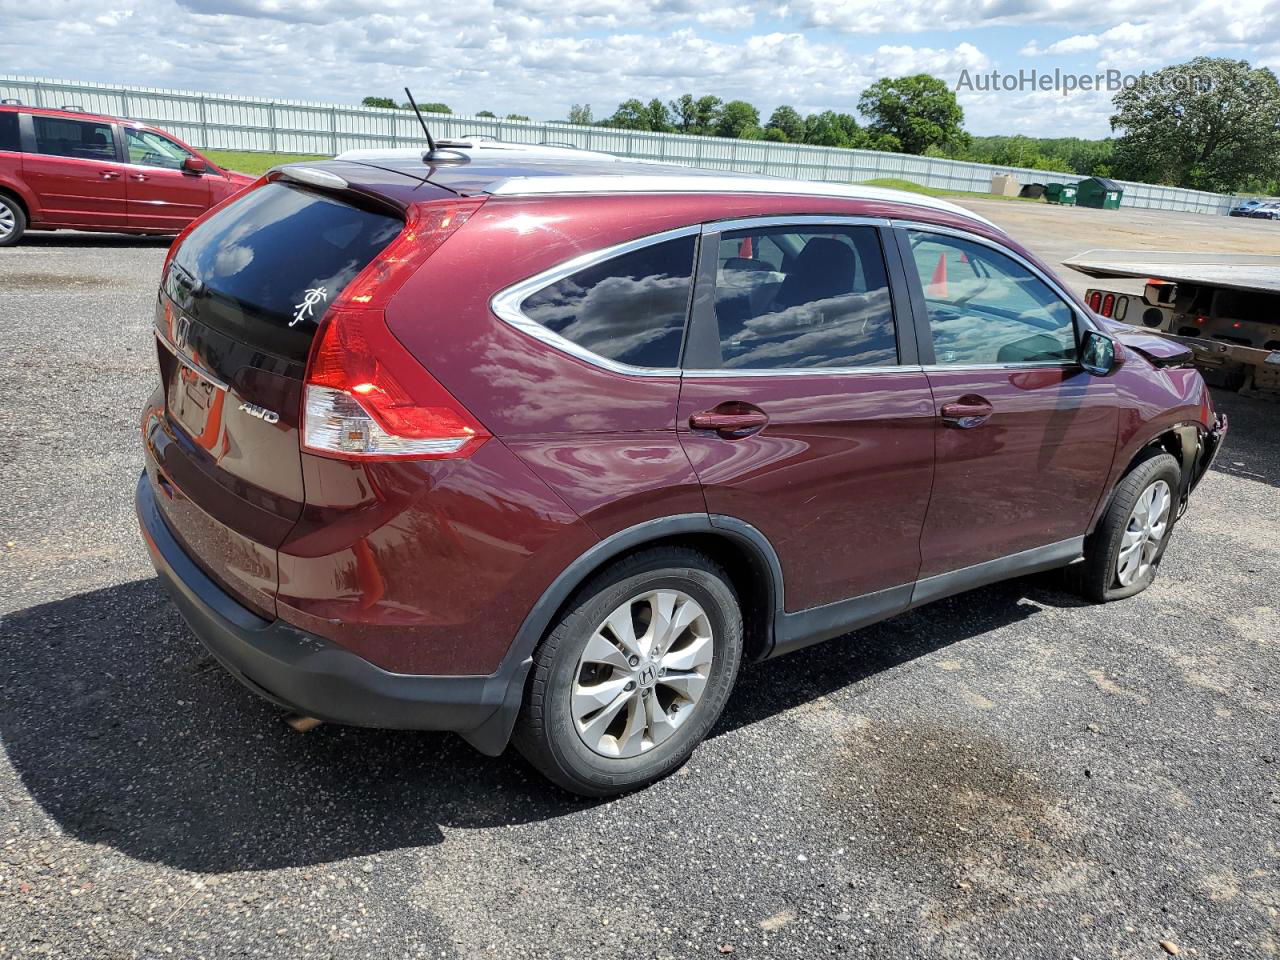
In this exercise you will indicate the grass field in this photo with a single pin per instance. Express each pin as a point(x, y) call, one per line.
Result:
point(244, 161)
point(911, 187)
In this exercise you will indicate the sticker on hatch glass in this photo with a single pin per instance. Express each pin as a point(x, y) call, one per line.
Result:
point(305, 309)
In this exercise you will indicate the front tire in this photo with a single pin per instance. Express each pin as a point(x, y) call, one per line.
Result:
point(13, 222)
point(1123, 554)
point(634, 675)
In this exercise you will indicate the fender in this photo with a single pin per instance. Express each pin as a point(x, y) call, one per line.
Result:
point(20, 190)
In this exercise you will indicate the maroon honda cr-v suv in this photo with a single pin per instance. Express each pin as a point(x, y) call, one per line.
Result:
point(540, 446)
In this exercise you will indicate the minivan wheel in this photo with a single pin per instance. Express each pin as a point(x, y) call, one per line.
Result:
point(1124, 552)
point(13, 222)
point(634, 674)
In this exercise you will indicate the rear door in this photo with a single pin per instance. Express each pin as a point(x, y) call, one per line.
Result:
point(802, 406)
point(238, 309)
point(160, 194)
point(1025, 437)
point(73, 168)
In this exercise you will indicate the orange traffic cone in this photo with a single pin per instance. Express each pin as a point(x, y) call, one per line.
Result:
point(938, 285)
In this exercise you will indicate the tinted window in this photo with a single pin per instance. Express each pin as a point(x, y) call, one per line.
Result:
point(985, 307)
point(9, 131)
point(630, 309)
point(265, 268)
point(74, 138)
point(149, 149)
point(803, 297)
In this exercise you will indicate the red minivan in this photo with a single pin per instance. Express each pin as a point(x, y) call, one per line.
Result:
point(68, 170)
point(523, 443)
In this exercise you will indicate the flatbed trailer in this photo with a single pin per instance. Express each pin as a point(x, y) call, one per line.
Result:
point(1225, 307)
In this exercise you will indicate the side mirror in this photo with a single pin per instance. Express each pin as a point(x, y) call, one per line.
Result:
point(194, 165)
point(1099, 354)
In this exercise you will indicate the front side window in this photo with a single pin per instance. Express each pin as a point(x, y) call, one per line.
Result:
point(986, 308)
point(82, 139)
point(9, 139)
point(630, 308)
point(797, 297)
point(147, 149)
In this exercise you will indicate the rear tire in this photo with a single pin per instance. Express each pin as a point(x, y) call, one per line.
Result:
point(1123, 553)
point(13, 222)
point(617, 699)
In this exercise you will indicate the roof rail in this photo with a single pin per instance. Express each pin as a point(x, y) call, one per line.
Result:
point(712, 182)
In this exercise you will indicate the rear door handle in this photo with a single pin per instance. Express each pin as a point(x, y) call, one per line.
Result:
point(731, 420)
point(109, 174)
point(969, 411)
point(138, 176)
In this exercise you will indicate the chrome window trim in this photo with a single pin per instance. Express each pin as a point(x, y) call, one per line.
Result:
point(716, 372)
point(1035, 271)
point(506, 303)
point(190, 364)
point(803, 220)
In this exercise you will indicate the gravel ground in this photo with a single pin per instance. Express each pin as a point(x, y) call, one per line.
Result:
point(1003, 774)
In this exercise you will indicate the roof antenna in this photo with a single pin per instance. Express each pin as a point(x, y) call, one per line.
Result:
point(431, 143)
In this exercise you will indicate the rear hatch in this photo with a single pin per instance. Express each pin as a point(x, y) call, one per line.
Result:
point(238, 308)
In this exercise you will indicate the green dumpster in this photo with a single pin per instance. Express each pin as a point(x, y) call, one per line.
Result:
point(1063, 193)
point(1100, 192)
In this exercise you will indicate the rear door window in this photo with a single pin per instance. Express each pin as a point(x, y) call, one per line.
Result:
point(264, 269)
point(630, 309)
point(82, 139)
point(9, 139)
point(813, 296)
point(147, 149)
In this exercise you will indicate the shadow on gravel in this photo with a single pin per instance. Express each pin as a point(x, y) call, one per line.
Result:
point(1252, 447)
point(127, 734)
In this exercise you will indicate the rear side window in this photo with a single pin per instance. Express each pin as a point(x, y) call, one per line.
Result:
point(264, 269)
point(796, 297)
point(82, 139)
point(630, 308)
point(9, 131)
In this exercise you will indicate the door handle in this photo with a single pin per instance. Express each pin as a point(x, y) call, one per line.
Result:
point(969, 411)
point(732, 421)
point(139, 177)
point(109, 174)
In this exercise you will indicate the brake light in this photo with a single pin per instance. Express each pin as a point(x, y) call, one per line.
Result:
point(366, 396)
point(1095, 301)
point(1108, 304)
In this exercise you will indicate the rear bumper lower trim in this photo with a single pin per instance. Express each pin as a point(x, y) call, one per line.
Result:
point(317, 677)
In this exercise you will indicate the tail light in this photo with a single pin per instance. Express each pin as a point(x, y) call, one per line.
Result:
point(366, 396)
point(1108, 304)
point(1095, 301)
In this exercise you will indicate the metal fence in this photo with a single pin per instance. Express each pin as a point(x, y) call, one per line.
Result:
point(226, 122)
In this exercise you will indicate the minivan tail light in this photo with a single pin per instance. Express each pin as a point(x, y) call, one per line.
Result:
point(366, 396)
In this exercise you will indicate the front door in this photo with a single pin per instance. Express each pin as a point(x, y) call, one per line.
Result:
point(161, 194)
point(1024, 436)
point(73, 169)
point(802, 408)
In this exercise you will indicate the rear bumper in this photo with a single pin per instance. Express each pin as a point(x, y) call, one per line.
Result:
point(316, 677)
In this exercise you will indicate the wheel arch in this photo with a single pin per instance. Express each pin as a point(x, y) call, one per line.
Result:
point(13, 193)
point(1181, 440)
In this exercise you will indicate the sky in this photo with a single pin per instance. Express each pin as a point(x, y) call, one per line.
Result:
point(537, 57)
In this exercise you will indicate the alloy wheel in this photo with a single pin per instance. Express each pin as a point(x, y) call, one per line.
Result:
point(8, 222)
point(642, 673)
point(1144, 533)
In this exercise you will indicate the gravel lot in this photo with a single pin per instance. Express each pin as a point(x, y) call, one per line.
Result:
point(1003, 774)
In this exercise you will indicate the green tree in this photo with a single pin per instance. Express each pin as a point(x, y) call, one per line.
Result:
point(516, 116)
point(736, 118)
point(788, 121)
point(659, 116)
point(1210, 124)
point(706, 112)
point(487, 113)
point(385, 102)
point(684, 112)
point(580, 113)
point(428, 107)
point(631, 115)
point(776, 134)
point(920, 111)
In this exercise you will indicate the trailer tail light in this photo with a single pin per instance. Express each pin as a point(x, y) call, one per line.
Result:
point(367, 397)
point(1122, 307)
point(1095, 301)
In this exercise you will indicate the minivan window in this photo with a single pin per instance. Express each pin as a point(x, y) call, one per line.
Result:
point(264, 269)
point(630, 308)
point(986, 308)
point(812, 296)
point(83, 139)
point(9, 139)
point(147, 149)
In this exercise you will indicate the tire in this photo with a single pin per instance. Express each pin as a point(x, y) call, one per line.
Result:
point(1102, 575)
point(13, 222)
point(593, 753)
